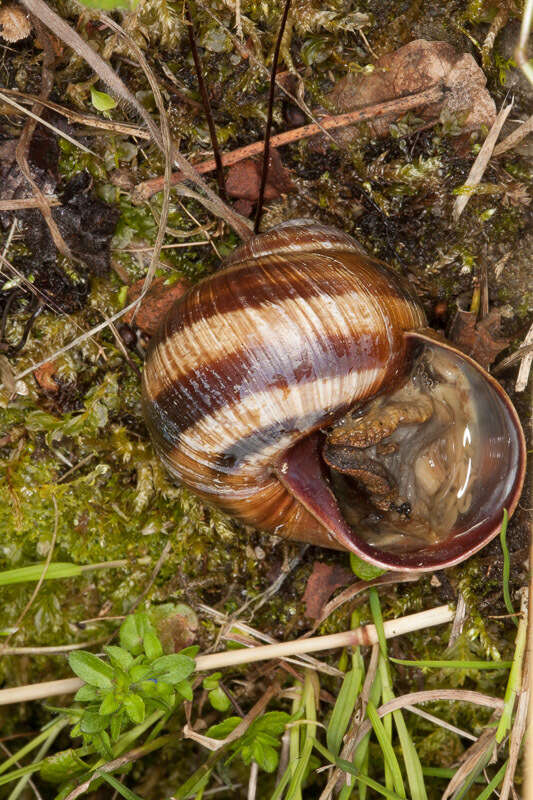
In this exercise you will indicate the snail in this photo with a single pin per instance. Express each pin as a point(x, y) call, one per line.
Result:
point(300, 390)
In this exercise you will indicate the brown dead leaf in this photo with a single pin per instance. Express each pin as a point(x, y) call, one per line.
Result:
point(413, 68)
point(320, 586)
point(244, 178)
point(480, 340)
point(43, 376)
point(155, 304)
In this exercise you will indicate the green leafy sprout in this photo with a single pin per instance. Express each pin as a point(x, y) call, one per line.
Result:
point(137, 680)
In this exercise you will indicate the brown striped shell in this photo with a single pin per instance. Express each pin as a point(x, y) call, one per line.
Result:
point(247, 369)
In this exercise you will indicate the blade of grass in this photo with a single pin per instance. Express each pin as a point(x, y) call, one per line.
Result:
point(56, 570)
point(386, 748)
point(515, 675)
point(294, 792)
point(345, 704)
point(118, 787)
point(57, 724)
point(443, 772)
point(351, 770)
point(490, 787)
point(44, 748)
point(413, 767)
point(506, 566)
point(453, 664)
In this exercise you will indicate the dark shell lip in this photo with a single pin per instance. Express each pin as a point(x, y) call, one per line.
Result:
point(304, 478)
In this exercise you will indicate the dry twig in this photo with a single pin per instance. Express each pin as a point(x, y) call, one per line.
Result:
point(480, 164)
point(398, 106)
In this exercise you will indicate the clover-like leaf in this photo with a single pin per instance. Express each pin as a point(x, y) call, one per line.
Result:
point(91, 669)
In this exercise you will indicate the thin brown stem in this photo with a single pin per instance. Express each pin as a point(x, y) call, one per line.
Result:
point(206, 104)
point(398, 106)
point(268, 127)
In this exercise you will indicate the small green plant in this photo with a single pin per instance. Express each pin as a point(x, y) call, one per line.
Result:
point(216, 694)
point(137, 680)
point(261, 741)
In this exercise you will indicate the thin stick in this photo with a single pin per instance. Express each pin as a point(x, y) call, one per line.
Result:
point(366, 635)
point(207, 105)
point(27, 202)
point(525, 366)
point(435, 695)
point(127, 128)
point(400, 105)
point(39, 119)
point(268, 126)
point(515, 137)
point(480, 164)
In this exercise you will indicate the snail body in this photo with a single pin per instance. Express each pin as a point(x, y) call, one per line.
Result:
point(253, 379)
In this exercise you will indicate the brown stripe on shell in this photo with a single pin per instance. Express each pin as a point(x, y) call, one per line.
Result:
point(298, 235)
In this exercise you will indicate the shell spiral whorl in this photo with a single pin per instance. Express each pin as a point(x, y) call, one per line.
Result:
point(296, 328)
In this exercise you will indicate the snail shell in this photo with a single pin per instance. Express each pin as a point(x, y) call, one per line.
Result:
point(299, 328)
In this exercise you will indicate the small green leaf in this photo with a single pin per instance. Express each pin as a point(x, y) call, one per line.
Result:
point(116, 726)
point(60, 766)
point(132, 632)
point(152, 645)
point(173, 668)
point(364, 570)
point(211, 682)
point(101, 100)
point(134, 706)
point(109, 704)
point(119, 657)
point(91, 669)
point(92, 722)
point(87, 694)
point(139, 672)
point(185, 689)
point(268, 759)
point(102, 743)
point(219, 700)
point(224, 728)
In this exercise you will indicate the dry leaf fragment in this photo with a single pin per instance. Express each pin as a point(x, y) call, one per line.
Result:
point(320, 586)
point(413, 68)
point(480, 340)
point(43, 376)
point(154, 304)
point(244, 178)
point(14, 23)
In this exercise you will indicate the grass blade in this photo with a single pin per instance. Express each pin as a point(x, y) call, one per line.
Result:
point(345, 704)
point(122, 790)
point(386, 747)
point(506, 565)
